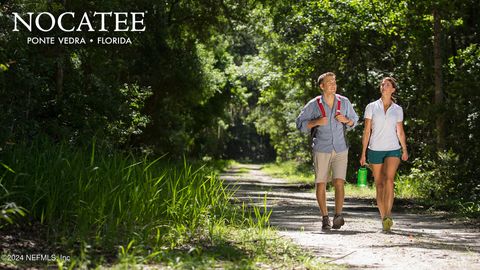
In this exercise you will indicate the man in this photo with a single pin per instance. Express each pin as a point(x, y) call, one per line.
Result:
point(327, 117)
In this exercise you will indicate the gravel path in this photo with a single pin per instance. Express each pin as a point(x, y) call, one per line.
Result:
point(417, 240)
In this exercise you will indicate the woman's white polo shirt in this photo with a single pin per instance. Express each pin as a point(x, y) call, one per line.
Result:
point(384, 125)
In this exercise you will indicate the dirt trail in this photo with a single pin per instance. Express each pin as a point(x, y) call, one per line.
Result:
point(417, 241)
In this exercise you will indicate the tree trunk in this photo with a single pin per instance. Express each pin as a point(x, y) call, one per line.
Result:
point(438, 84)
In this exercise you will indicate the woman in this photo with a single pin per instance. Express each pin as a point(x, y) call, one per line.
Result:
point(382, 134)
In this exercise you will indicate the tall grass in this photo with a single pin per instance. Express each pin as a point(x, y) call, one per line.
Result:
point(106, 208)
point(87, 195)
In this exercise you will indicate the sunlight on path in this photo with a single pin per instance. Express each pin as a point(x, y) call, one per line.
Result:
point(417, 241)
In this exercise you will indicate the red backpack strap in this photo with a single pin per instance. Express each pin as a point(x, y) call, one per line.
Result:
point(320, 106)
point(339, 105)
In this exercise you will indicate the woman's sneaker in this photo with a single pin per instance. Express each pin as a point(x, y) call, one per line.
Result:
point(326, 223)
point(338, 221)
point(387, 224)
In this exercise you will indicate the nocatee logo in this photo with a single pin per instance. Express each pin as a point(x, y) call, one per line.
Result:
point(93, 22)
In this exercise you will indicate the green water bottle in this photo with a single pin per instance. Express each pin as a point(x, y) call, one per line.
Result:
point(362, 177)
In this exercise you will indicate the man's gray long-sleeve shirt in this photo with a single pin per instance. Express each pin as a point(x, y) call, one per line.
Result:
point(332, 135)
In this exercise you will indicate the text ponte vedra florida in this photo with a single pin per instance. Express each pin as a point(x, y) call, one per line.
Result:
point(69, 22)
point(78, 40)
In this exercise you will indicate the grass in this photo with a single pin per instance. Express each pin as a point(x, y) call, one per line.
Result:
point(409, 191)
point(110, 209)
point(236, 248)
point(405, 187)
point(291, 171)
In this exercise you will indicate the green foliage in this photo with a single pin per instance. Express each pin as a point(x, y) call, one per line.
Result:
point(446, 181)
point(168, 91)
point(102, 207)
point(10, 211)
point(362, 41)
point(296, 172)
point(107, 198)
point(228, 78)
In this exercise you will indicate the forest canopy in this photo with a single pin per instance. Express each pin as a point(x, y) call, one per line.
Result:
point(226, 79)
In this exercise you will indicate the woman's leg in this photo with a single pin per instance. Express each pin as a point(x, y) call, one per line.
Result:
point(378, 176)
point(390, 167)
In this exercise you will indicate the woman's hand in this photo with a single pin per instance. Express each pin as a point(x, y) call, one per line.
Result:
point(363, 160)
point(404, 155)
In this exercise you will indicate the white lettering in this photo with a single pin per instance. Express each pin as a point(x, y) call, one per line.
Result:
point(72, 40)
point(60, 22)
point(118, 21)
point(45, 21)
point(87, 22)
point(52, 21)
point(18, 17)
point(40, 40)
point(135, 21)
point(113, 40)
point(102, 20)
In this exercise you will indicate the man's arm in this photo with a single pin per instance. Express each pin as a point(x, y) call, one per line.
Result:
point(350, 119)
point(308, 118)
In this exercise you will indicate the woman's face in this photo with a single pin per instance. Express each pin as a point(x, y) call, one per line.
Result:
point(387, 87)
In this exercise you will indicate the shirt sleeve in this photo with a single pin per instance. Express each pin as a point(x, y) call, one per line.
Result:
point(351, 114)
point(307, 114)
point(368, 112)
point(400, 115)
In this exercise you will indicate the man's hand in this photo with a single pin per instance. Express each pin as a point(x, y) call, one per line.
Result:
point(322, 121)
point(342, 119)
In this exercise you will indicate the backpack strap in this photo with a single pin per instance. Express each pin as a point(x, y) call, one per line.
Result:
point(339, 105)
point(320, 106)
point(322, 109)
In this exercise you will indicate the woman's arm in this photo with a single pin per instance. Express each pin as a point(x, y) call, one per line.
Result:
point(367, 131)
point(403, 140)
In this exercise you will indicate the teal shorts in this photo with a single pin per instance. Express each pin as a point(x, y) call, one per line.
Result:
point(377, 157)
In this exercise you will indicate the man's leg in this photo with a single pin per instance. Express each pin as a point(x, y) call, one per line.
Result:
point(321, 163)
point(339, 169)
point(339, 195)
point(322, 204)
point(322, 198)
point(338, 220)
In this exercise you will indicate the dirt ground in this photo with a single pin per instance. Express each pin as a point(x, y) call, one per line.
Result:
point(417, 241)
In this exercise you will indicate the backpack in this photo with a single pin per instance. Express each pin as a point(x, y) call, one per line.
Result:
point(322, 111)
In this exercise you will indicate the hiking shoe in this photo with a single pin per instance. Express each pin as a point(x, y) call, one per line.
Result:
point(326, 223)
point(387, 224)
point(338, 221)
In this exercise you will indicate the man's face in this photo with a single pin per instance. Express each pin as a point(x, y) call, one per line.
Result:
point(329, 85)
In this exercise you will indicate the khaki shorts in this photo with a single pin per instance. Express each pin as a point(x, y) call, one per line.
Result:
point(330, 166)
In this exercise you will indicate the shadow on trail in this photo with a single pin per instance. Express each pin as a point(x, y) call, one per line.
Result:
point(417, 238)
